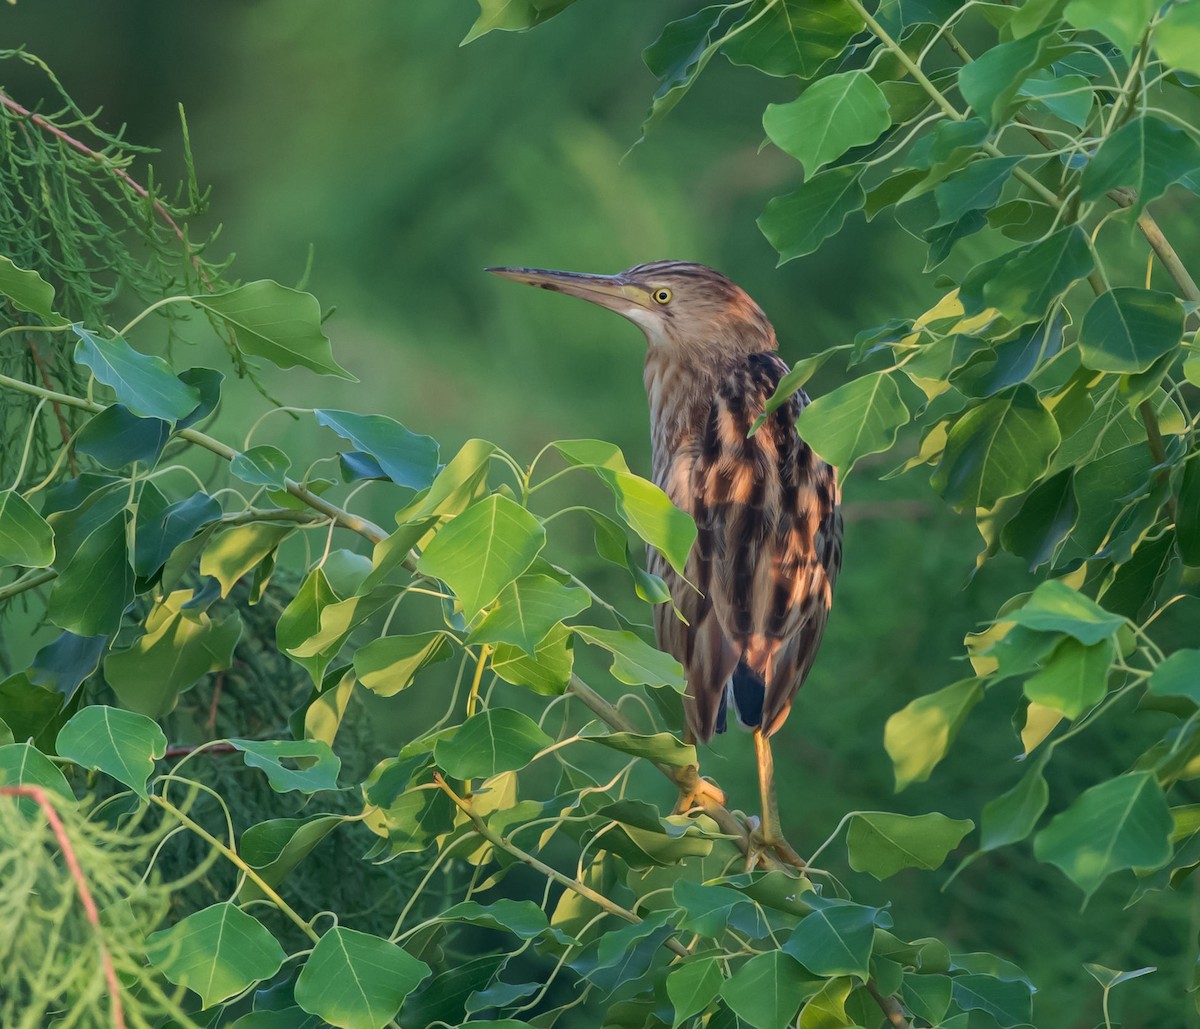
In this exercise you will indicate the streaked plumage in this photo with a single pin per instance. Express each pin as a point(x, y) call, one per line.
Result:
point(759, 580)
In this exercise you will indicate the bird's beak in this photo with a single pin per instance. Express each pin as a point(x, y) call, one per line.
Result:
point(612, 291)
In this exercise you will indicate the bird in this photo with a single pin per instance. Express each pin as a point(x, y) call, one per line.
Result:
point(750, 610)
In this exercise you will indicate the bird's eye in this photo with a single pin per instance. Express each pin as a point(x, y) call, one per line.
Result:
point(662, 295)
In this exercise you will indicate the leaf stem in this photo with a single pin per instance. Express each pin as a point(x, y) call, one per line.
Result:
point(237, 860)
point(28, 581)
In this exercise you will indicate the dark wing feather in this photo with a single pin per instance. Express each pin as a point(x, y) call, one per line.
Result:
point(767, 554)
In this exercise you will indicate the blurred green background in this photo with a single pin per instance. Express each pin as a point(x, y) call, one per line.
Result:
point(408, 164)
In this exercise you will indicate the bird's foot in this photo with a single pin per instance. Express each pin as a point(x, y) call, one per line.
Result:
point(696, 792)
point(762, 843)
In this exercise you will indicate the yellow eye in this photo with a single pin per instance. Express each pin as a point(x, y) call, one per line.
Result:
point(662, 295)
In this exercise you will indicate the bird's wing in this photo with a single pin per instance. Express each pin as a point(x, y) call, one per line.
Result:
point(769, 532)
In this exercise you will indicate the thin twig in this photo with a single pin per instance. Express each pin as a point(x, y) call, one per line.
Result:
point(42, 798)
point(63, 428)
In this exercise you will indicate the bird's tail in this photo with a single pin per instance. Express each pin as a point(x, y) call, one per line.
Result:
point(745, 692)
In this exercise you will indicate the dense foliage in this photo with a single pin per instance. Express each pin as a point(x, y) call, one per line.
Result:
point(1048, 390)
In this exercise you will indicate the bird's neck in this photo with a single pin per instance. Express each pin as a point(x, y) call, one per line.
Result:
point(680, 395)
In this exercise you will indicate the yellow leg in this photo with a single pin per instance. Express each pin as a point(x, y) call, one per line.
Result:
point(769, 835)
point(694, 791)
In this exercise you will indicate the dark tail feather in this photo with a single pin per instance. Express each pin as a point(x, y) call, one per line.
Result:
point(747, 691)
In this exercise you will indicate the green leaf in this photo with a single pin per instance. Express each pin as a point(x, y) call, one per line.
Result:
point(144, 384)
point(1127, 329)
point(316, 768)
point(262, 466)
point(1187, 513)
point(22, 764)
point(768, 990)
point(527, 609)
point(706, 908)
point(626, 953)
point(927, 996)
point(791, 384)
point(1009, 1002)
point(1122, 22)
point(793, 37)
point(857, 419)
point(115, 438)
point(976, 186)
point(91, 593)
point(482, 550)
point(835, 938)
point(390, 664)
point(1074, 679)
point(30, 711)
point(882, 843)
point(645, 508)
point(281, 324)
point(1146, 155)
point(1177, 38)
point(523, 918)
point(355, 980)
point(1056, 607)
point(1122, 823)
point(1022, 284)
point(797, 224)
point(681, 53)
point(407, 458)
point(513, 16)
point(177, 648)
point(635, 662)
point(235, 551)
point(1177, 676)
point(549, 670)
point(613, 546)
point(26, 539)
point(661, 747)
point(692, 986)
point(27, 290)
point(300, 621)
point(991, 81)
point(274, 847)
point(1110, 977)
point(122, 744)
point(835, 113)
point(997, 449)
point(161, 527)
point(1010, 817)
point(918, 736)
point(1068, 97)
point(1045, 519)
point(216, 952)
point(492, 741)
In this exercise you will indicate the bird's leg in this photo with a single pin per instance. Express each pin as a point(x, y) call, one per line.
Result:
point(769, 834)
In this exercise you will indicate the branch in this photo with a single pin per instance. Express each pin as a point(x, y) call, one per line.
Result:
point(525, 857)
point(28, 581)
point(42, 798)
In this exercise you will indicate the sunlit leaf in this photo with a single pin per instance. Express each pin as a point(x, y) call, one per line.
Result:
point(1122, 22)
point(1177, 38)
point(527, 609)
point(122, 744)
point(997, 449)
point(1118, 824)
point(216, 952)
point(835, 113)
point(355, 980)
point(1074, 679)
point(144, 384)
point(1128, 329)
point(661, 747)
point(882, 844)
point(22, 764)
point(918, 736)
point(482, 550)
point(635, 662)
point(281, 324)
point(492, 741)
point(1056, 607)
point(549, 669)
point(513, 15)
point(390, 664)
point(235, 551)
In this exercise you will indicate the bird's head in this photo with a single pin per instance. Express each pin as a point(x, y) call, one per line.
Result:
point(689, 310)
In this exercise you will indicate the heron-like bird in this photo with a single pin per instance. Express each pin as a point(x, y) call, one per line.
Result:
point(759, 580)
